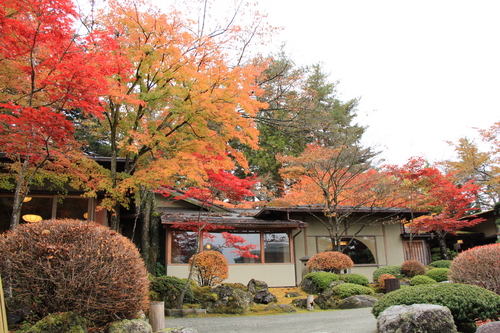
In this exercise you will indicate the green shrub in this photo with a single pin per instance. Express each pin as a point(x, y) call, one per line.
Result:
point(479, 266)
point(411, 268)
point(74, 266)
point(345, 290)
point(355, 278)
point(168, 289)
point(438, 274)
point(321, 280)
point(467, 303)
point(421, 279)
point(441, 264)
point(391, 269)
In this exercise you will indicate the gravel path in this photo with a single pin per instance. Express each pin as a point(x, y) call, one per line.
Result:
point(339, 321)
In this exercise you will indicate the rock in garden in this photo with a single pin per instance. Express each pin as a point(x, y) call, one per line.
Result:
point(293, 294)
point(178, 330)
point(225, 299)
point(308, 286)
point(130, 326)
point(358, 301)
point(300, 303)
point(326, 301)
point(254, 286)
point(285, 308)
point(264, 297)
point(60, 322)
point(427, 318)
point(493, 327)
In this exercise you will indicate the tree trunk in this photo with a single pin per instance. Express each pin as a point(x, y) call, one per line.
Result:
point(146, 218)
point(442, 247)
point(18, 203)
point(154, 246)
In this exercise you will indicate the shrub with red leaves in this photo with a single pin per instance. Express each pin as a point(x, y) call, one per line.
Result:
point(479, 266)
point(210, 268)
point(70, 265)
point(333, 262)
point(412, 268)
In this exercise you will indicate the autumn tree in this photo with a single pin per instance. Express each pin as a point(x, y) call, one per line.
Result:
point(47, 73)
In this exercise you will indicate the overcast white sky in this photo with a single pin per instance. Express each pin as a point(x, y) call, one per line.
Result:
point(426, 71)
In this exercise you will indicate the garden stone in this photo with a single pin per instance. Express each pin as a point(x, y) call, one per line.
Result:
point(129, 326)
point(300, 303)
point(308, 286)
point(326, 301)
point(177, 330)
point(254, 286)
point(285, 308)
point(358, 301)
point(225, 299)
point(492, 327)
point(293, 294)
point(60, 322)
point(428, 318)
point(264, 297)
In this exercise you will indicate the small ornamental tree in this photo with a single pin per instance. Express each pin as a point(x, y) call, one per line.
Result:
point(333, 262)
point(479, 266)
point(210, 268)
point(411, 268)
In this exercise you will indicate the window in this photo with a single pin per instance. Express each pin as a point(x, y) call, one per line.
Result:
point(276, 247)
point(362, 249)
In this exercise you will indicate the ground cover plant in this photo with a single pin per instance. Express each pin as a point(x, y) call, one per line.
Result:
point(355, 278)
point(70, 265)
point(345, 290)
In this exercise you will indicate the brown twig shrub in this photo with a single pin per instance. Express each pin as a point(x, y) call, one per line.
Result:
point(382, 278)
point(333, 262)
point(412, 268)
point(479, 266)
point(78, 266)
point(210, 268)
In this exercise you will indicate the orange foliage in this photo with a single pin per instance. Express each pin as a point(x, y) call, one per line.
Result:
point(382, 278)
point(210, 268)
point(333, 262)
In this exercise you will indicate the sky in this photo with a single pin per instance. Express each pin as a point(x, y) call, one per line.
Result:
point(426, 72)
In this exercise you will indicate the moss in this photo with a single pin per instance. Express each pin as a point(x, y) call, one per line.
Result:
point(67, 322)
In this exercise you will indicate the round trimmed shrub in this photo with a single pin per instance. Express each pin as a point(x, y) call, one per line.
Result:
point(467, 303)
point(355, 278)
point(73, 266)
point(331, 261)
point(168, 289)
point(210, 268)
point(441, 264)
point(345, 290)
point(382, 278)
point(438, 274)
point(321, 280)
point(479, 266)
point(391, 269)
point(421, 279)
point(411, 268)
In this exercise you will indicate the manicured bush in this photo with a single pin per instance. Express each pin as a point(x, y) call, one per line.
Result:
point(421, 279)
point(411, 268)
point(391, 269)
point(467, 303)
point(355, 278)
point(73, 266)
point(441, 264)
point(345, 290)
point(210, 268)
point(382, 278)
point(331, 261)
point(438, 274)
point(479, 266)
point(168, 289)
point(321, 280)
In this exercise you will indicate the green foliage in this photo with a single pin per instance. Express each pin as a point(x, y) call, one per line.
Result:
point(479, 266)
point(331, 261)
point(438, 274)
point(441, 264)
point(411, 268)
point(436, 254)
point(160, 269)
point(321, 280)
point(467, 303)
point(168, 289)
point(421, 279)
point(78, 266)
point(391, 269)
point(355, 278)
point(345, 290)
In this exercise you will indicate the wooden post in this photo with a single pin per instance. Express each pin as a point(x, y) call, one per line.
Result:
point(157, 315)
point(310, 302)
point(3, 313)
point(391, 285)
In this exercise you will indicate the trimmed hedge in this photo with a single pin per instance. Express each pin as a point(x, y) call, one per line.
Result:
point(345, 290)
point(355, 278)
point(321, 280)
point(441, 264)
point(467, 303)
point(438, 274)
point(391, 269)
point(331, 261)
point(421, 279)
point(168, 289)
